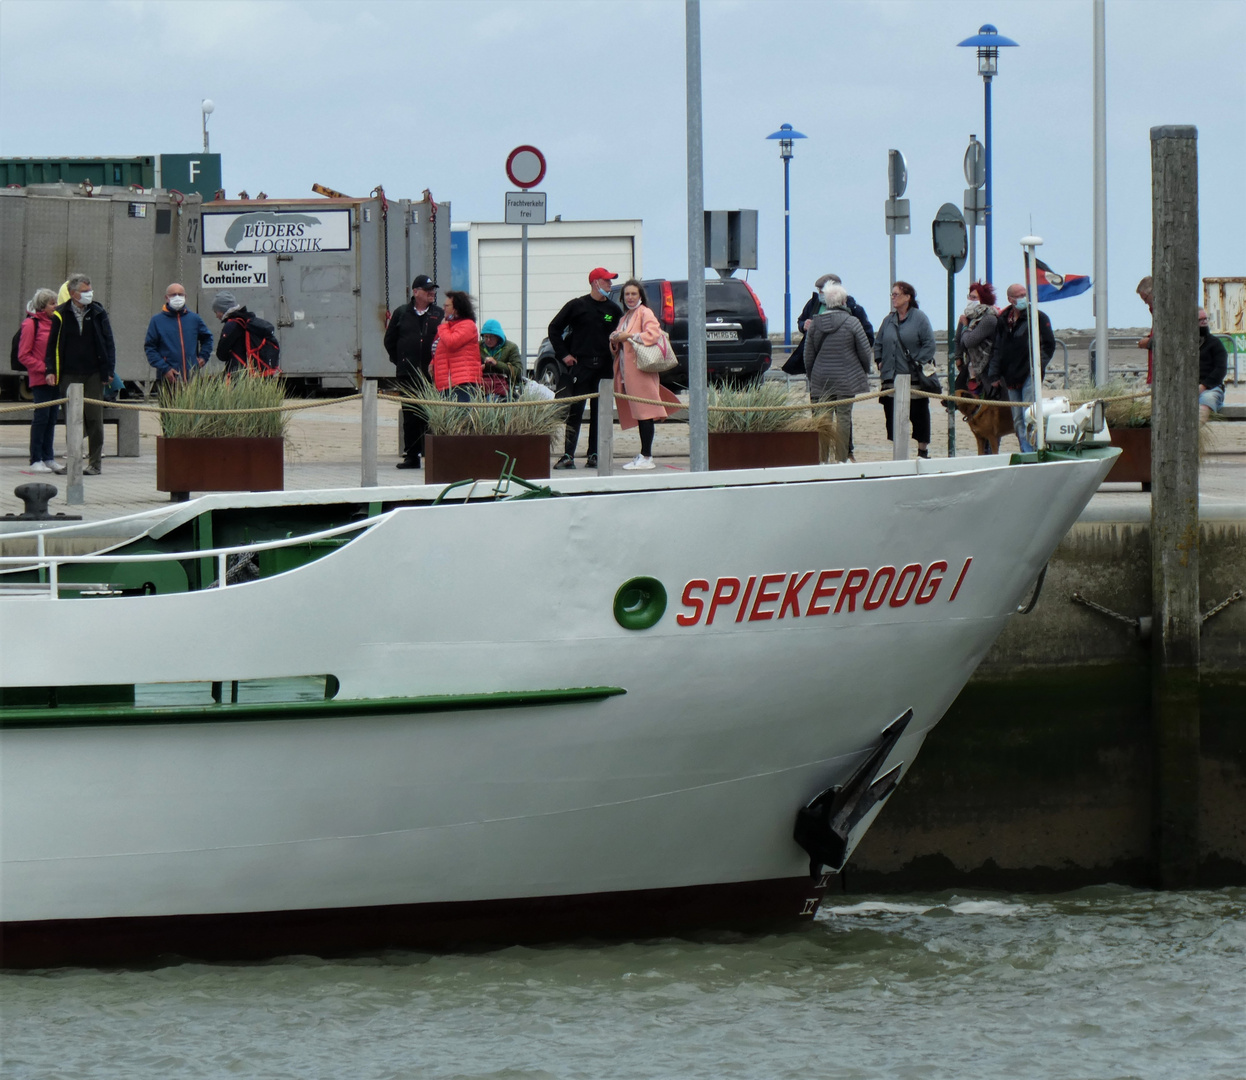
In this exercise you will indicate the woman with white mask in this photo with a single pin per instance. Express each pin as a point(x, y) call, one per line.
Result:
point(640, 325)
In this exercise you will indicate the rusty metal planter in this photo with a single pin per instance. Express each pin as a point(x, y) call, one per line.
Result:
point(448, 458)
point(184, 465)
point(762, 449)
point(1134, 464)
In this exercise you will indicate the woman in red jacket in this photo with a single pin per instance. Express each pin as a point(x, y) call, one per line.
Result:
point(456, 356)
point(31, 350)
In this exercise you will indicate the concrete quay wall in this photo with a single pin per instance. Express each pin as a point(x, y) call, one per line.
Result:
point(1043, 774)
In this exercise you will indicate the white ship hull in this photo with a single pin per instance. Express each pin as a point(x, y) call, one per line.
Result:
point(415, 808)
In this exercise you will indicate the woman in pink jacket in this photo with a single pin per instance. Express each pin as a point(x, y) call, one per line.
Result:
point(32, 348)
point(639, 325)
point(456, 350)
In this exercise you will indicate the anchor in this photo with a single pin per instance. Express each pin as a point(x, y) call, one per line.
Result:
point(824, 825)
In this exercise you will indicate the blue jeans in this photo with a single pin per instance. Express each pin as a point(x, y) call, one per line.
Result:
point(43, 426)
point(1212, 398)
point(1026, 393)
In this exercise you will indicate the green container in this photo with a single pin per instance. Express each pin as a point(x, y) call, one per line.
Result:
point(110, 172)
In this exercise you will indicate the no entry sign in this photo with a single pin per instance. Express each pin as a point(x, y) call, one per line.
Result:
point(525, 167)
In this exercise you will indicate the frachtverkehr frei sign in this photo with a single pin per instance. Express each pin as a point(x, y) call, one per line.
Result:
point(259, 232)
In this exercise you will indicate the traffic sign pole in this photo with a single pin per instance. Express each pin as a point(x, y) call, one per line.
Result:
point(525, 168)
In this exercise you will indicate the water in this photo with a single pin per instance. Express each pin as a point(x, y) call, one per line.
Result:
point(1103, 983)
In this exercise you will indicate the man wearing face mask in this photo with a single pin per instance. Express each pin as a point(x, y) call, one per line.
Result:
point(1009, 368)
point(1213, 366)
point(81, 350)
point(178, 341)
point(587, 323)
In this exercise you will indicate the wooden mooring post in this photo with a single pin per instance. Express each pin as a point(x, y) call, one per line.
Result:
point(74, 493)
point(1177, 620)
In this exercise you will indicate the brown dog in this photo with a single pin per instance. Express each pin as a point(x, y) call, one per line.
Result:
point(989, 423)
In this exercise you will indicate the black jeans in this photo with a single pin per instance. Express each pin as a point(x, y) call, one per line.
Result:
point(575, 414)
point(919, 416)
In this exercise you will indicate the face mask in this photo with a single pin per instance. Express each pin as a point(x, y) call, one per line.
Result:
point(1203, 331)
point(632, 305)
point(970, 308)
point(602, 289)
point(176, 303)
point(1021, 303)
point(86, 297)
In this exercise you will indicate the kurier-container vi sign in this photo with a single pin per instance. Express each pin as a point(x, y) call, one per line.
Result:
point(258, 232)
point(234, 272)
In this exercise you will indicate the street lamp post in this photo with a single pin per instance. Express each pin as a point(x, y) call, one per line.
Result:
point(785, 135)
point(988, 41)
point(206, 107)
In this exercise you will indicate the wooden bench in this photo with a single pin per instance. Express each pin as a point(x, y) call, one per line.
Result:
point(125, 421)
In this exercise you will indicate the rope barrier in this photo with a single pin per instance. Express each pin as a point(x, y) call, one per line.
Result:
point(32, 406)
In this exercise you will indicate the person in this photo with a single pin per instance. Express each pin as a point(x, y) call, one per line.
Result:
point(503, 368)
point(975, 338)
point(838, 356)
point(32, 350)
point(814, 306)
point(1146, 292)
point(242, 335)
point(409, 342)
point(639, 326)
point(81, 350)
point(1010, 368)
point(1213, 367)
point(580, 337)
point(905, 339)
point(178, 341)
point(456, 351)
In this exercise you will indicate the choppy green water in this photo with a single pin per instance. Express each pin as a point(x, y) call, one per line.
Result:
point(1102, 983)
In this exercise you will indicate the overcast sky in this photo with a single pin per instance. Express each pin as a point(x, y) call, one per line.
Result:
point(418, 95)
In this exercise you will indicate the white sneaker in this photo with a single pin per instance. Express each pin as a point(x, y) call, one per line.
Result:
point(37, 467)
point(640, 462)
point(55, 467)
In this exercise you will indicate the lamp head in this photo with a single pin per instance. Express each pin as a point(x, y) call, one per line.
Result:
point(785, 135)
point(207, 106)
point(988, 41)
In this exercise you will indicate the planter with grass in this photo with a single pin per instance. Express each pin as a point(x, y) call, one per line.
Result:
point(475, 440)
point(1129, 424)
point(214, 446)
point(765, 435)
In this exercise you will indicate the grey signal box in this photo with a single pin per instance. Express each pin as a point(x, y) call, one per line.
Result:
point(730, 240)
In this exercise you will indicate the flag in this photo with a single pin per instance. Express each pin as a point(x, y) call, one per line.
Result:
point(1053, 286)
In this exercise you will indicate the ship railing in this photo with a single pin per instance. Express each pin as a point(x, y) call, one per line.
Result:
point(42, 562)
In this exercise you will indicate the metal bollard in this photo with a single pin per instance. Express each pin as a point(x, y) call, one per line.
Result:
point(367, 436)
point(900, 419)
point(605, 427)
point(74, 495)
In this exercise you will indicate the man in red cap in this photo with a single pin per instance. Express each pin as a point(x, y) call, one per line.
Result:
point(580, 337)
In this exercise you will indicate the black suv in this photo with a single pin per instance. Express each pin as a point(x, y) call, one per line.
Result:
point(737, 345)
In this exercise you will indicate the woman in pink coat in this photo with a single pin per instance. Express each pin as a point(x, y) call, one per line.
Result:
point(31, 349)
point(639, 325)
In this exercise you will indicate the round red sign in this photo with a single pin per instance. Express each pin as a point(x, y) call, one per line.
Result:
point(525, 167)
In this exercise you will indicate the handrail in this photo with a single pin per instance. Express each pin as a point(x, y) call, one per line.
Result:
point(59, 530)
point(53, 563)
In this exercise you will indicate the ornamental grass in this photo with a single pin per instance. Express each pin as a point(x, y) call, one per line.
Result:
point(1130, 413)
point(527, 414)
point(214, 402)
point(763, 406)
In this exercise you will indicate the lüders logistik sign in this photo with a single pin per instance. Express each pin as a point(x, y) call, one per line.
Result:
point(260, 232)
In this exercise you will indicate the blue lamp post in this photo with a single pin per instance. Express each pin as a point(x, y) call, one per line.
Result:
point(988, 41)
point(785, 135)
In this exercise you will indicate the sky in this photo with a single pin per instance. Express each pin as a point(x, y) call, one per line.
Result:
point(416, 95)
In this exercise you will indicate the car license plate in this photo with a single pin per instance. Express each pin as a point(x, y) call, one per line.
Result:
point(721, 335)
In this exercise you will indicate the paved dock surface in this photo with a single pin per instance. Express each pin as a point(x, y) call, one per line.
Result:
point(323, 451)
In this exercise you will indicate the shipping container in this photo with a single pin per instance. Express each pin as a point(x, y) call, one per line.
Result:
point(324, 271)
point(1225, 301)
point(99, 172)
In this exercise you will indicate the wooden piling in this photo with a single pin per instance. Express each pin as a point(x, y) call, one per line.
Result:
point(1177, 620)
point(367, 435)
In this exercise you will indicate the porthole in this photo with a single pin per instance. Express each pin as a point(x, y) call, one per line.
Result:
point(639, 603)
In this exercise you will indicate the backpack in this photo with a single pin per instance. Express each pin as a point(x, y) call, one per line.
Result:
point(14, 362)
point(263, 350)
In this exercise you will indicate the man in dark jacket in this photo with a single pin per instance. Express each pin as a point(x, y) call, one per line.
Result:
point(409, 342)
point(1010, 368)
point(580, 337)
point(81, 350)
point(1213, 366)
point(796, 362)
